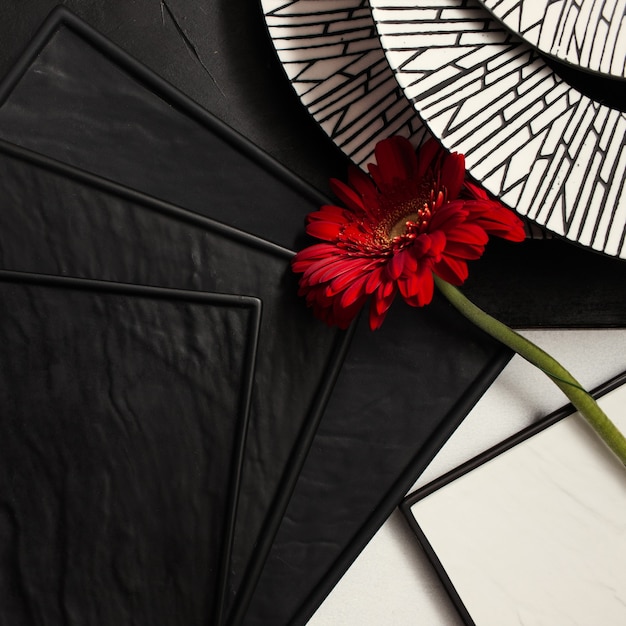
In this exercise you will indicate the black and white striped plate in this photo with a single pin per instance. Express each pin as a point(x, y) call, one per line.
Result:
point(544, 148)
point(590, 34)
point(332, 56)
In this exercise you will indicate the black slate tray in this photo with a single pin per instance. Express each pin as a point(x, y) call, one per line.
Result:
point(77, 98)
point(58, 220)
point(400, 395)
point(403, 389)
point(121, 449)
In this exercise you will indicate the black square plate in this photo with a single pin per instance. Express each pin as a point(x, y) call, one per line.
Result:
point(124, 411)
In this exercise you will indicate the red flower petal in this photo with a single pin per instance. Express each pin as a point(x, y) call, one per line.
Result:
point(438, 243)
point(396, 161)
point(347, 195)
point(426, 156)
point(353, 272)
point(303, 259)
point(452, 174)
point(421, 246)
point(502, 222)
point(376, 319)
point(474, 191)
point(374, 280)
point(364, 186)
point(330, 213)
point(465, 251)
point(383, 298)
point(470, 234)
point(420, 292)
point(347, 265)
point(449, 216)
point(396, 264)
point(326, 231)
point(452, 270)
point(356, 291)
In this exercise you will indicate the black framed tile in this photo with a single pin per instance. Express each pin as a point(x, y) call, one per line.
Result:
point(77, 98)
point(401, 393)
point(531, 526)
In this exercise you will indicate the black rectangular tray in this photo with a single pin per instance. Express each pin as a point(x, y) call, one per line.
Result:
point(123, 412)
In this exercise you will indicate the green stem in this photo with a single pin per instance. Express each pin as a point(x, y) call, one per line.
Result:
point(581, 400)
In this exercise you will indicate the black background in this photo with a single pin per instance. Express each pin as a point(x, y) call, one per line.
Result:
point(215, 51)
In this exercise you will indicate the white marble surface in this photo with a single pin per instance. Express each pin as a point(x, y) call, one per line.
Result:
point(537, 535)
point(392, 582)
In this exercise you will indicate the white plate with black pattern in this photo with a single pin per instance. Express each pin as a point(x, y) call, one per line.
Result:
point(590, 34)
point(550, 152)
point(332, 56)
point(331, 53)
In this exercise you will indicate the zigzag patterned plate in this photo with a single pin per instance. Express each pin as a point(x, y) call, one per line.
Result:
point(332, 56)
point(550, 152)
point(587, 33)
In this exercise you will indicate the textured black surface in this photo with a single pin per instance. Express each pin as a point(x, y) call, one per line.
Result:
point(54, 224)
point(216, 51)
point(387, 418)
point(121, 448)
point(101, 117)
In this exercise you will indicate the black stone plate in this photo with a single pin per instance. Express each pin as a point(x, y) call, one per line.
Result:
point(400, 395)
point(403, 389)
point(75, 97)
point(55, 219)
point(123, 415)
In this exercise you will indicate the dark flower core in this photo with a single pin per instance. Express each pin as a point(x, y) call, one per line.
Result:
point(408, 215)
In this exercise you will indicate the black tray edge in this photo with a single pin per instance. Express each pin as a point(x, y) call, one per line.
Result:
point(62, 16)
point(289, 481)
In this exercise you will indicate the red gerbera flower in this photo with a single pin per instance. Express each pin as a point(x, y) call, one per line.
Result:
point(415, 215)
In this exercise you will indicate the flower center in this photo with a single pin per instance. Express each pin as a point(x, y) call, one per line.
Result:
point(402, 227)
point(407, 212)
point(410, 224)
